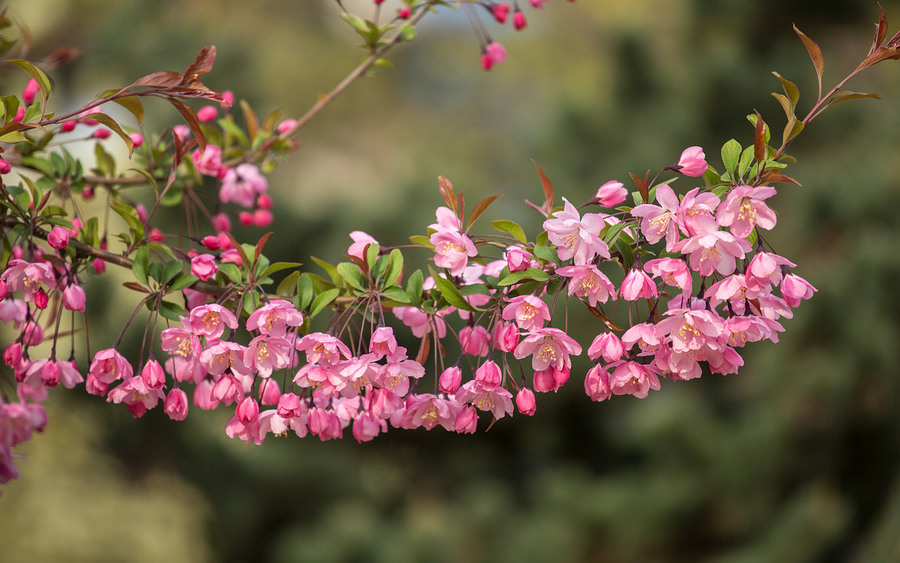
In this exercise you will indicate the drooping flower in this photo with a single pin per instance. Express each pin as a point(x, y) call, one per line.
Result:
point(204, 266)
point(632, 378)
point(660, 221)
point(577, 237)
point(610, 194)
point(242, 184)
point(452, 250)
point(744, 209)
point(275, 318)
point(548, 347)
point(528, 311)
point(210, 321)
point(588, 282)
point(692, 162)
point(637, 285)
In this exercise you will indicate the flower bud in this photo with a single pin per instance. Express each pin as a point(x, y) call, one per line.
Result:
point(450, 380)
point(30, 91)
point(207, 114)
point(519, 20)
point(41, 299)
point(247, 410)
point(466, 420)
point(153, 375)
point(73, 297)
point(525, 401)
point(58, 238)
point(692, 162)
point(176, 404)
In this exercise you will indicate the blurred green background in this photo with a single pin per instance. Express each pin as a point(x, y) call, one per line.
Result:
point(795, 459)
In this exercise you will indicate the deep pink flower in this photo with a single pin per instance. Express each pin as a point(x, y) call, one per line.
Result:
point(324, 424)
point(450, 380)
point(489, 375)
point(548, 347)
point(528, 312)
point(73, 298)
point(466, 420)
point(209, 163)
point(637, 285)
point(176, 404)
point(58, 238)
point(452, 250)
point(207, 114)
point(519, 20)
point(475, 341)
point(607, 346)
point(204, 266)
point(30, 91)
point(505, 336)
point(550, 379)
point(135, 393)
point(247, 410)
point(493, 53)
point(109, 365)
point(610, 194)
point(577, 237)
point(383, 342)
point(153, 375)
point(744, 209)
point(518, 259)
point(692, 162)
point(427, 411)
point(596, 383)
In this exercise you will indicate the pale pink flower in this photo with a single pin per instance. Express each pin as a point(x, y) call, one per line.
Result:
point(632, 378)
point(577, 237)
point(528, 312)
point(452, 250)
point(475, 341)
point(109, 365)
point(242, 184)
point(180, 342)
point(153, 374)
point(323, 349)
point(548, 347)
point(795, 289)
point(223, 355)
point(73, 297)
point(266, 354)
point(421, 322)
point(209, 163)
point(644, 335)
point(596, 383)
point(210, 321)
point(692, 162)
point(446, 220)
point(275, 318)
point(251, 432)
point(227, 389)
point(204, 398)
point(637, 285)
point(607, 346)
point(744, 209)
point(28, 277)
point(525, 401)
point(204, 266)
point(690, 329)
point(493, 53)
point(14, 311)
point(610, 194)
point(660, 221)
point(497, 400)
point(765, 269)
point(269, 392)
point(383, 403)
point(672, 272)
point(395, 375)
point(714, 251)
point(366, 427)
point(589, 282)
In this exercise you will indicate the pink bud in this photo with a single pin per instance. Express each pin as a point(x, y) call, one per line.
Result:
point(204, 266)
point(153, 375)
point(137, 139)
point(176, 404)
point(41, 299)
point(73, 298)
point(58, 238)
point(30, 91)
point(207, 114)
point(156, 235)
point(245, 218)
point(506, 336)
point(262, 218)
point(264, 201)
point(493, 53)
point(3, 290)
point(611, 193)
point(227, 99)
point(286, 126)
point(607, 346)
point(450, 380)
point(101, 133)
point(519, 20)
point(5, 167)
point(13, 354)
point(211, 242)
point(405, 13)
point(88, 193)
point(68, 126)
point(467, 420)
point(692, 162)
point(50, 373)
point(501, 12)
point(489, 375)
point(269, 393)
point(99, 266)
point(525, 401)
point(20, 115)
point(221, 223)
point(247, 410)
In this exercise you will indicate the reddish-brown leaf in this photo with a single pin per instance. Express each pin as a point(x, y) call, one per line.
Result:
point(815, 54)
point(159, 79)
point(190, 116)
point(549, 195)
point(759, 139)
point(479, 209)
point(446, 189)
point(202, 64)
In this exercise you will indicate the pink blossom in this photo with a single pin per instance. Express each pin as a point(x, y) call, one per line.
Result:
point(324, 424)
point(153, 374)
point(518, 259)
point(493, 53)
point(607, 346)
point(421, 322)
point(689, 329)
point(210, 321)
point(596, 383)
point(58, 238)
point(446, 220)
point(204, 266)
point(323, 349)
point(14, 311)
point(28, 277)
point(41, 299)
point(137, 140)
point(242, 184)
point(637, 285)
point(450, 379)
point(223, 355)
point(475, 341)
point(73, 298)
point(209, 163)
point(204, 397)
point(266, 354)
point(528, 312)
point(632, 378)
point(577, 237)
point(221, 223)
point(394, 376)
point(660, 221)
point(744, 209)
point(176, 404)
point(589, 282)
point(30, 91)
point(181, 342)
point(610, 194)
point(383, 403)
point(548, 347)
point(247, 410)
point(383, 342)
point(497, 400)
point(275, 318)
point(525, 401)
point(550, 379)
point(466, 420)
point(644, 335)
point(109, 365)
point(5, 166)
point(795, 289)
point(207, 114)
point(500, 12)
point(366, 427)
point(251, 432)
point(714, 251)
point(286, 125)
point(672, 272)
point(360, 241)
point(262, 218)
point(519, 20)
point(505, 336)
point(452, 250)
point(692, 162)
point(227, 389)
point(135, 393)
point(427, 411)
point(765, 269)
point(269, 392)
point(488, 375)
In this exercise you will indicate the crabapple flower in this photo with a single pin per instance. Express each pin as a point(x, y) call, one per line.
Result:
point(209, 162)
point(689, 329)
point(550, 379)
point(713, 251)
point(360, 241)
point(136, 395)
point(452, 250)
point(744, 209)
point(518, 259)
point(548, 347)
point(223, 355)
point(505, 336)
point(575, 236)
point(242, 184)
point(58, 238)
point(632, 378)
point(475, 340)
point(519, 20)
point(210, 321)
point(109, 365)
point(204, 266)
point(607, 346)
point(497, 400)
point(275, 318)
point(589, 282)
point(672, 272)
point(30, 91)
point(207, 114)
point(795, 289)
point(525, 401)
point(450, 380)
point(493, 53)
point(421, 322)
point(528, 312)
point(28, 277)
point(610, 194)
point(765, 269)
point(466, 420)
point(596, 383)
point(176, 404)
point(323, 349)
point(153, 375)
point(660, 221)
point(266, 354)
point(637, 285)
point(692, 162)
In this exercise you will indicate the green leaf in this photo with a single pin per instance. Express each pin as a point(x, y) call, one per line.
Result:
point(231, 271)
point(322, 300)
point(421, 240)
point(250, 302)
point(372, 251)
point(171, 270)
point(39, 76)
point(731, 154)
point(171, 311)
point(395, 270)
point(277, 267)
point(132, 104)
point(790, 89)
point(547, 253)
point(414, 287)
point(114, 126)
point(140, 265)
point(288, 286)
point(408, 31)
point(510, 228)
point(451, 293)
point(529, 274)
point(351, 274)
point(396, 294)
point(332, 271)
point(745, 162)
point(613, 231)
point(304, 292)
point(182, 281)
